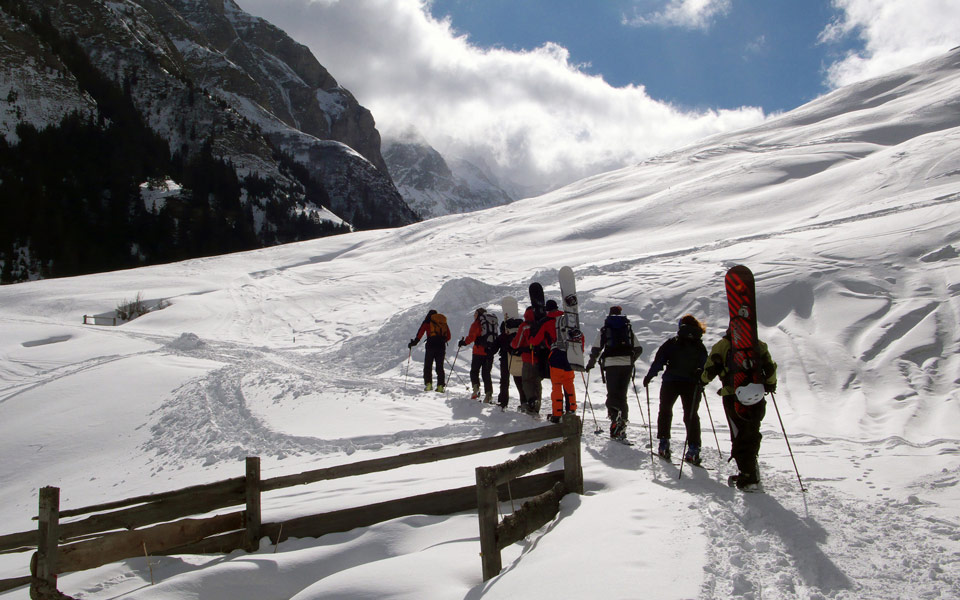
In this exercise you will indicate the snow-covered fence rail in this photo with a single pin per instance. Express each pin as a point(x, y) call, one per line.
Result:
point(157, 524)
point(537, 511)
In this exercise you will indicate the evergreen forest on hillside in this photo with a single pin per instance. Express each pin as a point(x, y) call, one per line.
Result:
point(70, 194)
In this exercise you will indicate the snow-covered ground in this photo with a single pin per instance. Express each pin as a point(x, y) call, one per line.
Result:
point(848, 212)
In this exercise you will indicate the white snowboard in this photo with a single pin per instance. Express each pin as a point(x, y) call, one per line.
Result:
point(569, 326)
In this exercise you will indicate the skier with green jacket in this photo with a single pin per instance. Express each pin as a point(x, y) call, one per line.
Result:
point(744, 411)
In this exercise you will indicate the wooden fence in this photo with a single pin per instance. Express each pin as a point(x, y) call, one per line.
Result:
point(159, 524)
point(533, 514)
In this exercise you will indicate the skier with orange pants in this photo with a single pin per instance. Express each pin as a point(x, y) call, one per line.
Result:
point(561, 373)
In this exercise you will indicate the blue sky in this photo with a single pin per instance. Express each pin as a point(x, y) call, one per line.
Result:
point(545, 92)
point(760, 53)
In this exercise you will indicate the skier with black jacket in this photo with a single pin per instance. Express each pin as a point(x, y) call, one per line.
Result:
point(616, 349)
point(511, 364)
point(434, 326)
point(744, 411)
point(683, 355)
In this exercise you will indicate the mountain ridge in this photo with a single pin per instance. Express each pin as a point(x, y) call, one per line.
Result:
point(206, 77)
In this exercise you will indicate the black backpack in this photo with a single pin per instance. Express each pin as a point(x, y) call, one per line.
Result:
point(616, 337)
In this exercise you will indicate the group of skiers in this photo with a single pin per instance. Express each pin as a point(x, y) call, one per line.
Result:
point(529, 352)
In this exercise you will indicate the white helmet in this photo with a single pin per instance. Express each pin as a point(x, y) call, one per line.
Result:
point(750, 393)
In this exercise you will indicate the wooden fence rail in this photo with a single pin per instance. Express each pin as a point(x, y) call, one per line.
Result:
point(157, 523)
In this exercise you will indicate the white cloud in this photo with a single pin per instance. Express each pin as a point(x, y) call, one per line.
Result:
point(757, 46)
point(534, 116)
point(687, 14)
point(895, 33)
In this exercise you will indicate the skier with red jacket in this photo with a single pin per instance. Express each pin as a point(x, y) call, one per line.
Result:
point(434, 327)
point(561, 373)
point(483, 335)
point(530, 374)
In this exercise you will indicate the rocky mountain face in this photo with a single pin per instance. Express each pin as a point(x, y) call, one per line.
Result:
point(209, 80)
point(433, 186)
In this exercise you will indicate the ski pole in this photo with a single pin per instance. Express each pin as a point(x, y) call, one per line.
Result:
point(584, 417)
point(680, 473)
point(635, 393)
point(586, 393)
point(650, 422)
point(787, 440)
point(703, 393)
point(407, 372)
point(455, 364)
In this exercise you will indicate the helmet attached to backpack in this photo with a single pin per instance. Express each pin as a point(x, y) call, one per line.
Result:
point(750, 394)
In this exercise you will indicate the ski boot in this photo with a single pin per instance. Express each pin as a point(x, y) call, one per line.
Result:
point(618, 430)
point(441, 389)
point(693, 455)
point(554, 418)
point(745, 482)
point(488, 398)
point(428, 387)
point(664, 450)
point(476, 393)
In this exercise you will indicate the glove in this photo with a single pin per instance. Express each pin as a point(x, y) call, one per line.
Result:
point(590, 364)
point(461, 343)
point(412, 343)
point(647, 379)
point(770, 388)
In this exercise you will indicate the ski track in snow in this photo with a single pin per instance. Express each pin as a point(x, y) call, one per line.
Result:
point(824, 544)
point(209, 419)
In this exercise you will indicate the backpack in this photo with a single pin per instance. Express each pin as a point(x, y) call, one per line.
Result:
point(488, 330)
point(437, 326)
point(616, 337)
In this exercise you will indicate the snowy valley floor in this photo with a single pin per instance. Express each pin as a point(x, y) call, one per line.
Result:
point(878, 521)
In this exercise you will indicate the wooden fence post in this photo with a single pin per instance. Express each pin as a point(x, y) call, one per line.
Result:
point(47, 545)
point(487, 504)
point(572, 469)
point(252, 517)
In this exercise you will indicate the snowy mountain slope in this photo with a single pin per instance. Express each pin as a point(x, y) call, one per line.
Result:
point(185, 81)
point(846, 210)
point(433, 186)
